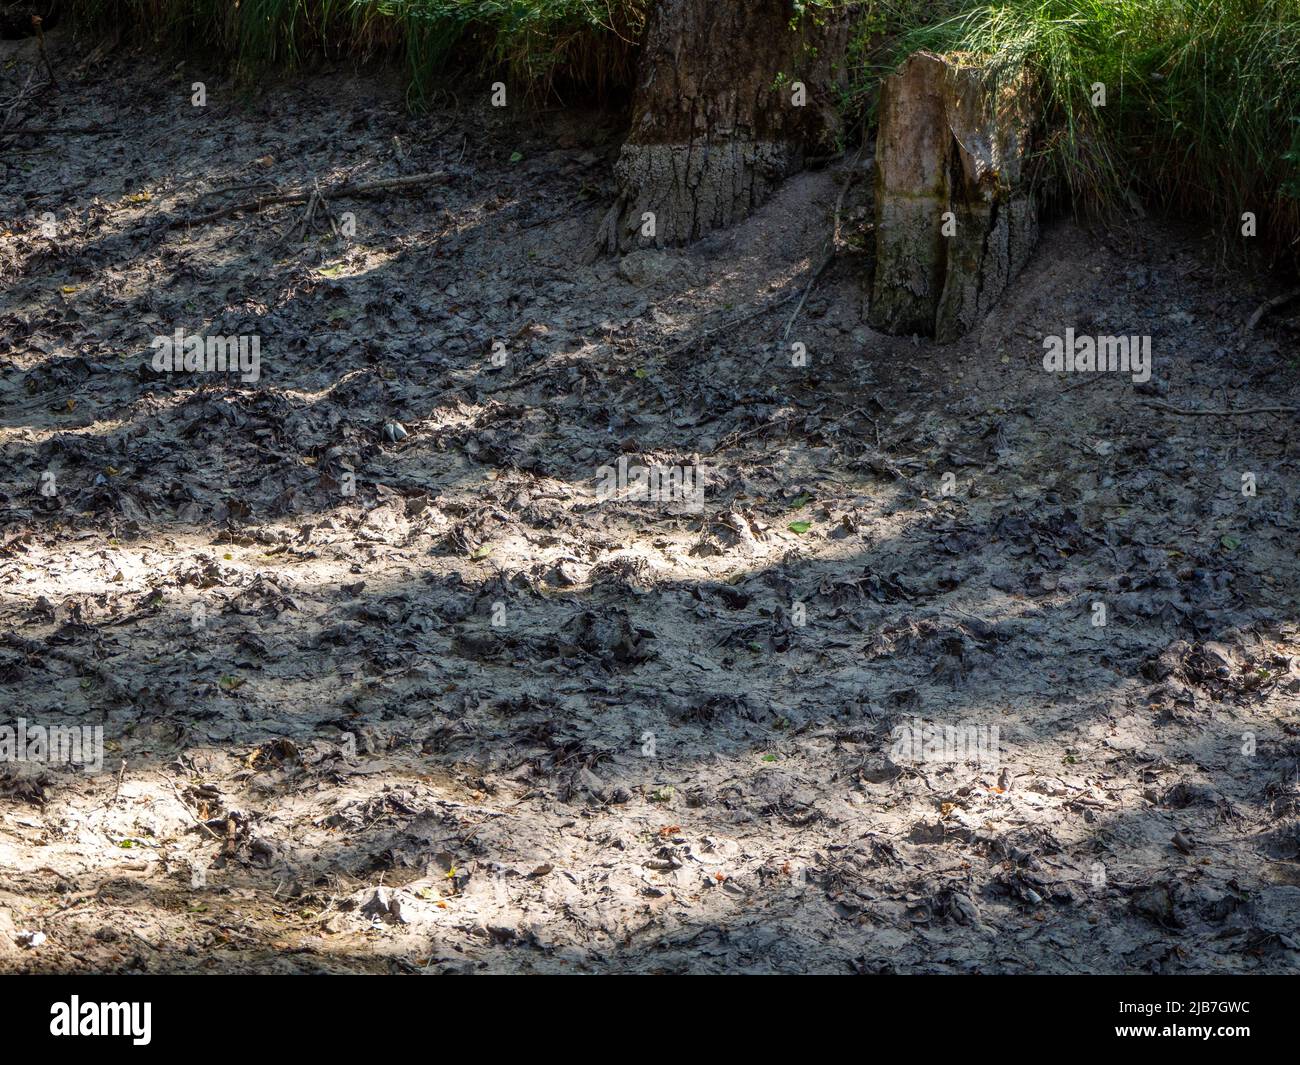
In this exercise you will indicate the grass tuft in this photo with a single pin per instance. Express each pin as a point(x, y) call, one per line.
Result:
point(542, 45)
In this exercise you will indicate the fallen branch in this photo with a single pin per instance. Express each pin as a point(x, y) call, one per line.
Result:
point(667, 358)
point(303, 196)
point(687, 345)
point(19, 97)
point(232, 188)
point(35, 131)
point(1206, 411)
point(832, 246)
point(1270, 305)
point(310, 213)
point(37, 25)
point(734, 438)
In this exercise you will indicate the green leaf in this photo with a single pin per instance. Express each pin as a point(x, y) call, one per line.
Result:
point(799, 527)
point(1230, 543)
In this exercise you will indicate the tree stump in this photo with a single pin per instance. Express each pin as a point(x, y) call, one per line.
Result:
point(956, 217)
point(718, 120)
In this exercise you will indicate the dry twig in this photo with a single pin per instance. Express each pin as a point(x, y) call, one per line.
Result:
point(832, 245)
point(1271, 305)
point(368, 188)
point(1206, 411)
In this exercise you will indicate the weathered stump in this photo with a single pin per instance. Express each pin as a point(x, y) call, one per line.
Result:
point(956, 218)
point(717, 120)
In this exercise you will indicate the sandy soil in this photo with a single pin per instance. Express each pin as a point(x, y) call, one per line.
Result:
point(379, 702)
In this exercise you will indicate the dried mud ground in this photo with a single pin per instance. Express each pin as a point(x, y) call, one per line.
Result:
point(322, 755)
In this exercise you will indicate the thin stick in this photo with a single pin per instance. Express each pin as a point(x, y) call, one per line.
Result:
point(40, 42)
point(832, 246)
point(329, 212)
point(1269, 305)
point(669, 356)
point(21, 95)
point(686, 345)
point(1206, 411)
point(232, 188)
point(345, 189)
point(826, 261)
point(732, 439)
point(310, 213)
point(186, 807)
point(35, 131)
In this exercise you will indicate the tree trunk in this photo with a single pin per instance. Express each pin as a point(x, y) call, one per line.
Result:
point(718, 120)
point(955, 218)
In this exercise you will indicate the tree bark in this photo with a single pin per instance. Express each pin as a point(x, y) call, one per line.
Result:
point(956, 219)
point(717, 123)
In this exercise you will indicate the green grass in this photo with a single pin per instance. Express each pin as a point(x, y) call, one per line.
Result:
point(543, 46)
point(1202, 112)
point(589, 44)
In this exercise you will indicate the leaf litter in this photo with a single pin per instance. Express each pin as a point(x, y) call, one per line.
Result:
point(386, 687)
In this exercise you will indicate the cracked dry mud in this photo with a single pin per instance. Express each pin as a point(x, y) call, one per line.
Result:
point(322, 753)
